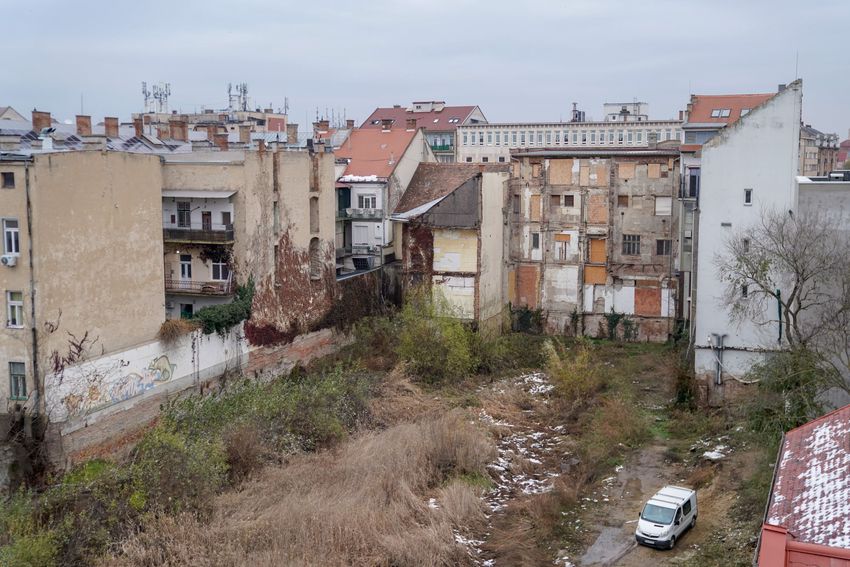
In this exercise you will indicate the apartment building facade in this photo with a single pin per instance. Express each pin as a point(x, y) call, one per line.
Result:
point(451, 236)
point(493, 143)
point(593, 232)
point(374, 168)
point(734, 193)
point(818, 152)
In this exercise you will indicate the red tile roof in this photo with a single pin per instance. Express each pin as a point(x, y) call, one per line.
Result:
point(435, 121)
point(811, 490)
point(701, 107)
point(374, 152)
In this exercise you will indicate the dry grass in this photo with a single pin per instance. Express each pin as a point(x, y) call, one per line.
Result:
point(365, 505)
point(173, 329)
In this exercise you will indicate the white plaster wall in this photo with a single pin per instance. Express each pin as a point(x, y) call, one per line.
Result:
point(493, 237)
point(115, 382)
point(376, 189)
point(758, 152)
point(459, 292)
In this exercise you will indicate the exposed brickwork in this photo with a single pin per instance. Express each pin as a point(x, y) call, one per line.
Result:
point(648, 301)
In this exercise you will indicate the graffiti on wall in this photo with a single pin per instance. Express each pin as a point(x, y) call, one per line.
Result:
point(112, 385)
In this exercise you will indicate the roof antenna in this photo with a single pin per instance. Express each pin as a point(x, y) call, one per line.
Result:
point(797, 65)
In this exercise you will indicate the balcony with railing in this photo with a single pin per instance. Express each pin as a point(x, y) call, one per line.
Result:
point(195, 287)
point(201, 232)
point(359, 250)
point(364, 214)
point(443, 147)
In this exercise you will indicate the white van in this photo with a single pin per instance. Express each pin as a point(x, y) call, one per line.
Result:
point(666, 516)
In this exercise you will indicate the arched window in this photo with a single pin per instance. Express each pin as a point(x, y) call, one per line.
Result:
point(314, 214)
point(315, 259)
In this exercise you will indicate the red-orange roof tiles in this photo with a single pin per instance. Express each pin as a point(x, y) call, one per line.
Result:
point(449, 118)
point(702, 107)
point(374, 152)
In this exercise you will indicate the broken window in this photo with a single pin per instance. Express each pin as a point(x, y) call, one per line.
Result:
point(663, 247)
point(631, 244)
point(622, 200)
point(569, 200)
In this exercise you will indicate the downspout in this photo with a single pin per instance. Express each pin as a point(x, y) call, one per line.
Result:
point(34, 328)
point(779, 312)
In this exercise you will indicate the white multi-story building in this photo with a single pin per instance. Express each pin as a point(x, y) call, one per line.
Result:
point(747, 167)
point(625, 125)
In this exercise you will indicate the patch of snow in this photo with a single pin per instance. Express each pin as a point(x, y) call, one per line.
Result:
point(359, 179)
point(713, 455)
point(432, 503)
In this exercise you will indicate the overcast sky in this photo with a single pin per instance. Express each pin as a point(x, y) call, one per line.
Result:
point(519, 61)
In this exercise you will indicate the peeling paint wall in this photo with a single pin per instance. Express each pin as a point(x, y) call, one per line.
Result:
point(455, 250)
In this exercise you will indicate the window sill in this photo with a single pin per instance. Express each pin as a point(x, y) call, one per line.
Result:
point(15, 327)
point(16, 399)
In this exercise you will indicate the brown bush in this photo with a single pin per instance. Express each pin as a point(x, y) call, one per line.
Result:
point(244, 450)
point(701, 476)
point(173, 329)
point(364, 505)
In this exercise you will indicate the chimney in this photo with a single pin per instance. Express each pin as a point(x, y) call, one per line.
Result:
point(83, 125)
point(110, 125)
point(411, 124)
point(292, 134)
point(652, 140)
point(386, 123)
point(324, 125)
point(178, 129)
point(349, 124)
point(137, 126)
point(221, 141)
point(245, 133)
point(40, 120)
point(681, 115)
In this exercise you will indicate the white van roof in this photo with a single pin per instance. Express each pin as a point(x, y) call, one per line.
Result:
point(672, 496)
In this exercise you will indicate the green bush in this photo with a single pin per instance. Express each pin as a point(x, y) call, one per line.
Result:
point(434, 343)
point(22, 541)
point(221, 318)
point(510, 352)
point(577, 378)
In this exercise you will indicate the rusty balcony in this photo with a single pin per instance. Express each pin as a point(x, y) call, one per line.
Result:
point(195, 287)
point(201, 233)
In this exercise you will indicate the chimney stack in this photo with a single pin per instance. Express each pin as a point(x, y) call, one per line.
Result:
point(220, 141)
point(386, 124)
point(411, 124)
point(83, 125)
point(244, 133)
point(324, 125)
point(178, 128)
point(137, 126)
point(292, 134)
point(110, 125)
point(40, 120)
point(349, 124)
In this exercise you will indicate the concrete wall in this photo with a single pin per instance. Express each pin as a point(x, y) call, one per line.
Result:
point(759, 152)
point(493, 247)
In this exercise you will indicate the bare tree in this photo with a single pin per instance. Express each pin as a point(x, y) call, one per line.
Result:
point(793, 270)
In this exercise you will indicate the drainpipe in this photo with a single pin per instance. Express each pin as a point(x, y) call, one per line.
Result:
point(34, 328)
point(779, 312)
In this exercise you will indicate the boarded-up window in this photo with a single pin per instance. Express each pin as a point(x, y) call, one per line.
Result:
point(527, 286)
point(601, 172)
point(648, 301)
point(664, 206)
point(654, 171)
point(314, 214)
point(595, 275)
point(626, 170)
point(555, 201)
point(561, 172)
point(569, 200)
point(622, 200)
point(563, 238)
point(598, 251)
point(584, 176)
point(535, 170)
point(598, 209)
point(534, 214)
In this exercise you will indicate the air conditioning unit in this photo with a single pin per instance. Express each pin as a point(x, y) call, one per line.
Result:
point(8, 260)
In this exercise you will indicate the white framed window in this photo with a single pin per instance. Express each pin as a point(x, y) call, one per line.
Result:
point(17, 381)
point(11, 240)
point(220, 271)
point(489, 138)
point(360, 234)
point(15, 309)
point(367, 201)
point(744, 112)
point(663, 206)
point(715, 113)
point(748, 197)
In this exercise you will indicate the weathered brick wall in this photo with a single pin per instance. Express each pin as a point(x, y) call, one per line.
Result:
point(265, 362)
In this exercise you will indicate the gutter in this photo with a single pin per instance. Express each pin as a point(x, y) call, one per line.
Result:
point(769, 497)
point(34, 328)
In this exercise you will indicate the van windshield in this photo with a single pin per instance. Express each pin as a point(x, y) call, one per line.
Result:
point(657, 514)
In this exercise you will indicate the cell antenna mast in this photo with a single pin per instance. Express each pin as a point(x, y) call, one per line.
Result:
point(147, 94)
point(286, 105)
point(161, 92)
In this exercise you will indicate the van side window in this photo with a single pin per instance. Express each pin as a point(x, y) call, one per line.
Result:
point(678, 515)
point(686, 509)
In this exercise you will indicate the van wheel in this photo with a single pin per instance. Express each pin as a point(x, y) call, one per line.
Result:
point(693, 522)
point(672, 542)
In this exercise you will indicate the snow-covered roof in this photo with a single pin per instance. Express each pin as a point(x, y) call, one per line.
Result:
point(811, 489)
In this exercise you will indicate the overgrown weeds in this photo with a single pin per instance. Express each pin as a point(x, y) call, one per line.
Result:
point(173, 329)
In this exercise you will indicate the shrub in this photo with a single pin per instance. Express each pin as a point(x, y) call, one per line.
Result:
point(221, 318)
point(514, 351)
point(436, 345)
point(376, 341)
point(577, 380)
point(172, 473)
point(173, 329)
point(22, 540)
point(612, 320)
